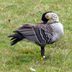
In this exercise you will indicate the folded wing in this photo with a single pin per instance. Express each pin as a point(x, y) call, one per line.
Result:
point(40, 34)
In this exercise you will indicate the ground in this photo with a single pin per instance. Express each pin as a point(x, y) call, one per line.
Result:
point(25, 56)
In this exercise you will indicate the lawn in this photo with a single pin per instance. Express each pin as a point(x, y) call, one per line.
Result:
point(25, 56)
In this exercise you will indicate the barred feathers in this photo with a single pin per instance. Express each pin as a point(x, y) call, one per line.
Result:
point(37, 34)
point(16, 37)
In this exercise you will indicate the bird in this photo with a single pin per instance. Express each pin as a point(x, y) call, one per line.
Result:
point(48, 31)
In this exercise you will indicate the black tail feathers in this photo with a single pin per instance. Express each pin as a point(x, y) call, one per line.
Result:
point(16, 37)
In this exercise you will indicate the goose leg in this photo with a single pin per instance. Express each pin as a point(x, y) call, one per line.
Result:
point(43, 52)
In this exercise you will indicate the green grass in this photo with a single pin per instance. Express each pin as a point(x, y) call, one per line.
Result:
point(24, 55)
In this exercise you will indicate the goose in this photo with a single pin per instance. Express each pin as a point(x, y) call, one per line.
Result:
point(47, 32)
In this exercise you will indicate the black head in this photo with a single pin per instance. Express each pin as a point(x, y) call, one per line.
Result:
point(44, 19)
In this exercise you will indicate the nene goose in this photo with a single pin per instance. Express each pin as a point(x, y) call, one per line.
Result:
point(47, 32)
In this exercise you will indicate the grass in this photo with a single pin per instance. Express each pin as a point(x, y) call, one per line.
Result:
point(26, 55)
